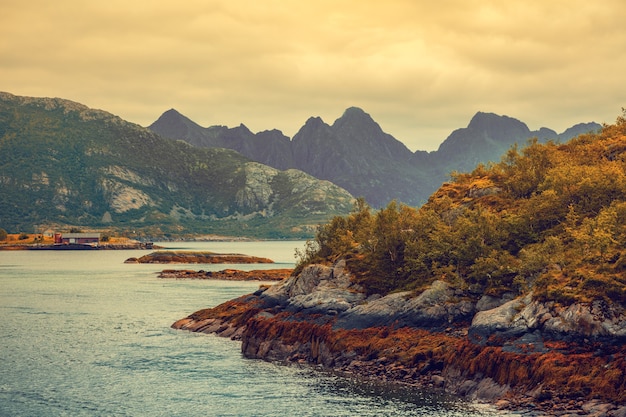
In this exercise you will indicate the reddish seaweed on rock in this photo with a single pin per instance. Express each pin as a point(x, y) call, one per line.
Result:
point(229, 274)
point(190, 257)
point(305, 327)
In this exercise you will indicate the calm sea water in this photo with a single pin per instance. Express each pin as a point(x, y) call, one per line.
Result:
point(83, 334)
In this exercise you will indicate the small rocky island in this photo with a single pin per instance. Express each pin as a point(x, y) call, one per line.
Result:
point(191, 257)
point(228, 274)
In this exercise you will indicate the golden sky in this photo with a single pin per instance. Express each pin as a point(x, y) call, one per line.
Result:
point(420, 68)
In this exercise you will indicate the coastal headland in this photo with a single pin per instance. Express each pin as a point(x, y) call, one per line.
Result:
point(515, 353)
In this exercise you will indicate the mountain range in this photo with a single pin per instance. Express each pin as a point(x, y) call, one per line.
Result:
point(63, 164)
point(356, 154)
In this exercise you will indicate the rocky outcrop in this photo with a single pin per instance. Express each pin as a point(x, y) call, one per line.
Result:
point(317, 289)
point(527, 322)
point(228, 274)
point(437, 307)
point(168, 257)
point(329, 290)
point(355, 153)
point(510, 352)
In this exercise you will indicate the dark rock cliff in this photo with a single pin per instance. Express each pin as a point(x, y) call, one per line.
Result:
point(356, 154)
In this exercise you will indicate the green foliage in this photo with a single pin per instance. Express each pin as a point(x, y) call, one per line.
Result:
point(340, 237)
point(62, 164)
point(549, 219)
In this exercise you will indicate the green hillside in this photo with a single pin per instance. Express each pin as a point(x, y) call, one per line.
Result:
point(63, 164)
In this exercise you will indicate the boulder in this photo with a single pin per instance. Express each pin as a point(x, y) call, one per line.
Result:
point(317, 289)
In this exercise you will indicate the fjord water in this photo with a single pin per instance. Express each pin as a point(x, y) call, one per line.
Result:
point(83, 334)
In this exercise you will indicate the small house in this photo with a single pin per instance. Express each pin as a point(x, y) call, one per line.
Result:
point(77, 238)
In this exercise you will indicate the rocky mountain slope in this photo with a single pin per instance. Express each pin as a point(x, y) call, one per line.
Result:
point(356, 154)
point(488, 136)
point(64, 164)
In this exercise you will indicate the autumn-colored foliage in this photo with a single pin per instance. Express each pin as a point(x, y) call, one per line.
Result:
point(575, 375)
point(549, 218)
point(236, 311)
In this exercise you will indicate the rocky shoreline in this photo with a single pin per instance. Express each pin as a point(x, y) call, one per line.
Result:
point(229, 274)
point(517, 354)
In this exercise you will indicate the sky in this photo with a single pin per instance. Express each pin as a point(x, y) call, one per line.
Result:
point(420, 68)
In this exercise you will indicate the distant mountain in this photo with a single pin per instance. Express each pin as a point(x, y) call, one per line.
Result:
point(353, 153)
point(269, 147)
point(488, 136)
point(63, 164)
point(356, 154)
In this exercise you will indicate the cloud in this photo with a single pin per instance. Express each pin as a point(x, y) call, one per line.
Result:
point(421, 69)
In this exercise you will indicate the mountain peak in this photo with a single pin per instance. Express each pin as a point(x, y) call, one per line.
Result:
point(172, 111)
point(492, 121)
point(173, 124)
point(312, 124)
point(354, 111)
point(354, 115)
point(172, 116)
point(500, 128)
point(314, 121)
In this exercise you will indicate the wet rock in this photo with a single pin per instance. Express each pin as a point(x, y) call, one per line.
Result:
point(619, 412)
point(438, 381)
point(502, 404)
point(423, 340)
point(228, 274)
point(317, 289)
point(597, 409)
point(489, 390)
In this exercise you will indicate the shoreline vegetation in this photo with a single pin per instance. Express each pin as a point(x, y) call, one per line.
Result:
point(508, 286)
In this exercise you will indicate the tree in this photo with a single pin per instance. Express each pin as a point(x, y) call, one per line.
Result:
point(523, 173)
point(3, 234)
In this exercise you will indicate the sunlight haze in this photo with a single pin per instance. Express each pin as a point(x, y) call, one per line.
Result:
point(421, 69)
